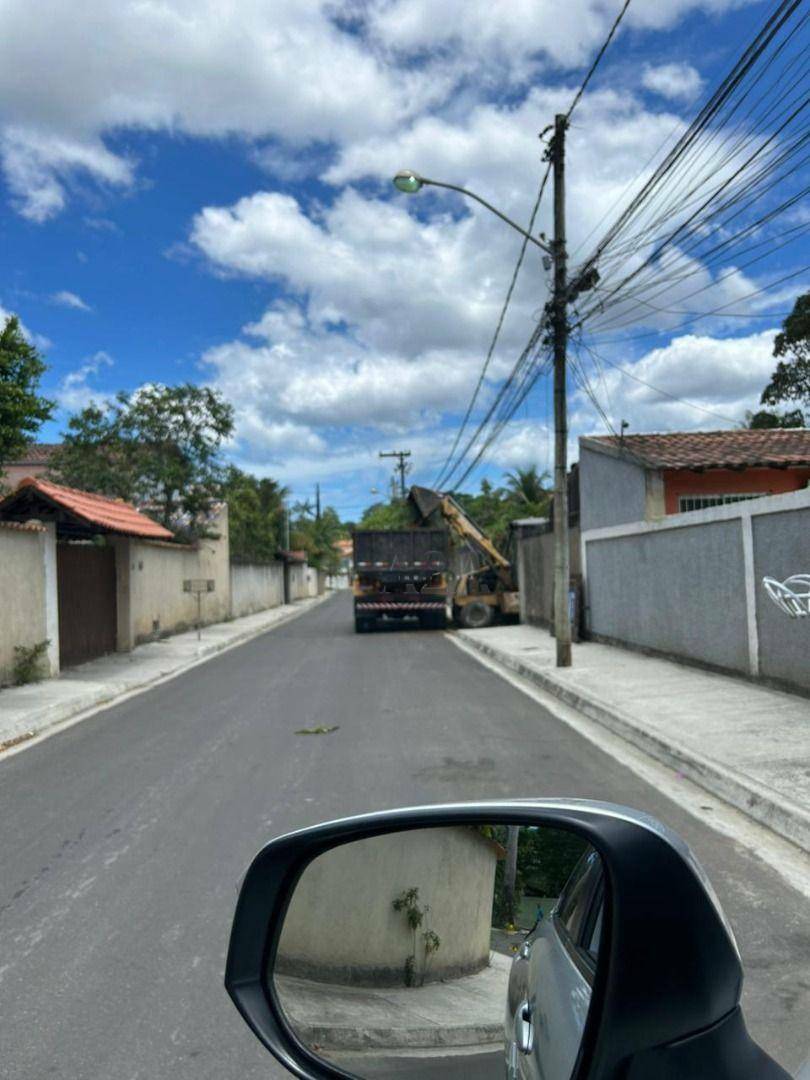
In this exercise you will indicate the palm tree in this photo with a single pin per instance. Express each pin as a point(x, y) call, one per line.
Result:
point(527, 485)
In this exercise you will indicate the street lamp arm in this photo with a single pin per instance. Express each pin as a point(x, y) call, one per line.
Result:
point(471, 194)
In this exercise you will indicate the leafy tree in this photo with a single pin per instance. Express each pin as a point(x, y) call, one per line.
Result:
point(526, 486)
point(394, 515)
point(765, 418)
point(791, 379)
point(317, 537)
point(158, 446)
point(255, 514)
point(22, 409)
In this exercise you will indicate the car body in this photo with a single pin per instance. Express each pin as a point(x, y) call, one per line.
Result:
point(551, 980)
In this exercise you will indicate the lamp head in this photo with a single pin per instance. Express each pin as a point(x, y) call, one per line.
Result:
point(408, 181)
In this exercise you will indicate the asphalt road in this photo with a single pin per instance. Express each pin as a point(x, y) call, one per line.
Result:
point(123, 838)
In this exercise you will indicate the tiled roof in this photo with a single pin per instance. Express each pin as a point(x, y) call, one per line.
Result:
point(739, 448)
point(35, 454)
point(112, 515)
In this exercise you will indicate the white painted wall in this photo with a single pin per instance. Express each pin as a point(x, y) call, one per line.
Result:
point(156, 601)
point(341, 925)
point(256, 587)
point(27, 594)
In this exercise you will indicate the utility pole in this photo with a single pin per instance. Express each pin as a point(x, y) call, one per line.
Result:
point(510, 872)
point(286, 527)
point(562, 618)
point(317, 502)
point(401, 467)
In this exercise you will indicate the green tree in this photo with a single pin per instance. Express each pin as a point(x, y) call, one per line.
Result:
point(22, 409)
point(791, 379)
point(766, 419)
point(255, 514)
point(394, 515)
point(527, 486)
point(317, 536)
point(158, 447)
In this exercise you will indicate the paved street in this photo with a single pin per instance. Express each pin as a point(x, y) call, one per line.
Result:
point(123, 838)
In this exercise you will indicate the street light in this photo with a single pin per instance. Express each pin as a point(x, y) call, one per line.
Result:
point(409, 182)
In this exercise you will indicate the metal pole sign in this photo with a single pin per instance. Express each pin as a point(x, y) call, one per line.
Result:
point(198, 586)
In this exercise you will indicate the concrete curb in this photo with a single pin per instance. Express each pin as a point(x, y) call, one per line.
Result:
point(54, 716)
point(763, 805)
point(334, 1037)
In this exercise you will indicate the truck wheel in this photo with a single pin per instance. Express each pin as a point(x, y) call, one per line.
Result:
point(362, 624)
point(476, 615)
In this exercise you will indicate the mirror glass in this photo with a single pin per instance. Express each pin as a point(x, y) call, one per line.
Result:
point(460, 951)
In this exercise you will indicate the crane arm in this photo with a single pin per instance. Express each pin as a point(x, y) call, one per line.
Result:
point(463, 526)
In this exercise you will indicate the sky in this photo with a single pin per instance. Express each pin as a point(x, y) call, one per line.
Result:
point(200, 190)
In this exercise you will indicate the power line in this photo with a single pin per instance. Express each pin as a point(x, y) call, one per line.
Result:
point(447, 471)
point(597, 59)
point(496, 335)
point(657, 389)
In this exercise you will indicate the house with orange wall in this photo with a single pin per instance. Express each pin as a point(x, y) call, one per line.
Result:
point(646, 477)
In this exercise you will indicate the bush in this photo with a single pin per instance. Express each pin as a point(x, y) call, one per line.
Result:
point(28, 662)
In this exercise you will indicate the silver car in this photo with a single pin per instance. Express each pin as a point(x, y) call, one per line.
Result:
point(551, 978)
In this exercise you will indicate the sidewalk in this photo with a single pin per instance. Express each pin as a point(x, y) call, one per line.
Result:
point(745, 743)
point(463, 1012)
point(28, 711)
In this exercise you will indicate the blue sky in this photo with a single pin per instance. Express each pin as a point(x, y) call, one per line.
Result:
point(205, 196)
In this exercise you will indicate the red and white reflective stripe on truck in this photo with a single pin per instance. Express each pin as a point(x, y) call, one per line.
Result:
point(382, 606)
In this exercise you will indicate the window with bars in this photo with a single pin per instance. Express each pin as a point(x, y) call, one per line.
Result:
point(702, 502)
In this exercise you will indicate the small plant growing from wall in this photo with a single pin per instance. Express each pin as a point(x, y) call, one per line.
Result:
point(28, 662)
point(418, 920)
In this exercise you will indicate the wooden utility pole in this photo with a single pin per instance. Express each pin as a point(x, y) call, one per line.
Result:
point(317, 502)
point(562, 618)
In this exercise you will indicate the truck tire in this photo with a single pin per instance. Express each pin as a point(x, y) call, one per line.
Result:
point(362, 624)
point(476, 615)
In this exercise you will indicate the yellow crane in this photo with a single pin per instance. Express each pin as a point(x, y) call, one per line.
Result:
point(481, 595)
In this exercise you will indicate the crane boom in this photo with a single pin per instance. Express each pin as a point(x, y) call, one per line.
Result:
point(428, 501)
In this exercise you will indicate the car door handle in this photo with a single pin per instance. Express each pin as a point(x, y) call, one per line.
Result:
point(524, 1029)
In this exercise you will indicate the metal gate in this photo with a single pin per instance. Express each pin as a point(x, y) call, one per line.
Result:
point(85, 576)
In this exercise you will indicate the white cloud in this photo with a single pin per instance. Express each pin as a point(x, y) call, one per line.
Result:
point(65, 298)
point(300, 75)
point(706, 383)
point(75, 392)
point(677, 82)
point(39, 340)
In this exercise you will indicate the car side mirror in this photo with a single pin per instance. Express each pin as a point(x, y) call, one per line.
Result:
point(396, 944)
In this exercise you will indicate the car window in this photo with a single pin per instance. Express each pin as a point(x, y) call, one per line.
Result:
point(593, 935)
point(574, 904)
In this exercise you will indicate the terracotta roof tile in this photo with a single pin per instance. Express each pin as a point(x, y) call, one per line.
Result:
point(113, 515)
point(36, 454)
point(738, 448)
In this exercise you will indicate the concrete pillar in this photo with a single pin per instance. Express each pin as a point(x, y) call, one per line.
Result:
point(654, 502)
point(124, 637)
point(51, 596)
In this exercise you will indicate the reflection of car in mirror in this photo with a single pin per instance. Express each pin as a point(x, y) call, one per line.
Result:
point(537, 940)
point(551, 980)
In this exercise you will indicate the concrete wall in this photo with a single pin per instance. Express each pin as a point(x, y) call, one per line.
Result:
point(152, 602)
point(690, 586)
point(535, 563)
point(28, 601)
point(612, 489)
point(255, 587)
point(341, 925)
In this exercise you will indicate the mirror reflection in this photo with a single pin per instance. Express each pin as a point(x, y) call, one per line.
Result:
point(465, 951)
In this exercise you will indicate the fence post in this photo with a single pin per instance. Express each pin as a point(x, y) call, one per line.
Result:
point(750, 590)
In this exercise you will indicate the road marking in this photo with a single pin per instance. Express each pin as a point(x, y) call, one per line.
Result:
point(787, 860)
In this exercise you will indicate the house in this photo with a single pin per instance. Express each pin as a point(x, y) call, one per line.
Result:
point(33, 461)
point(646, 477)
